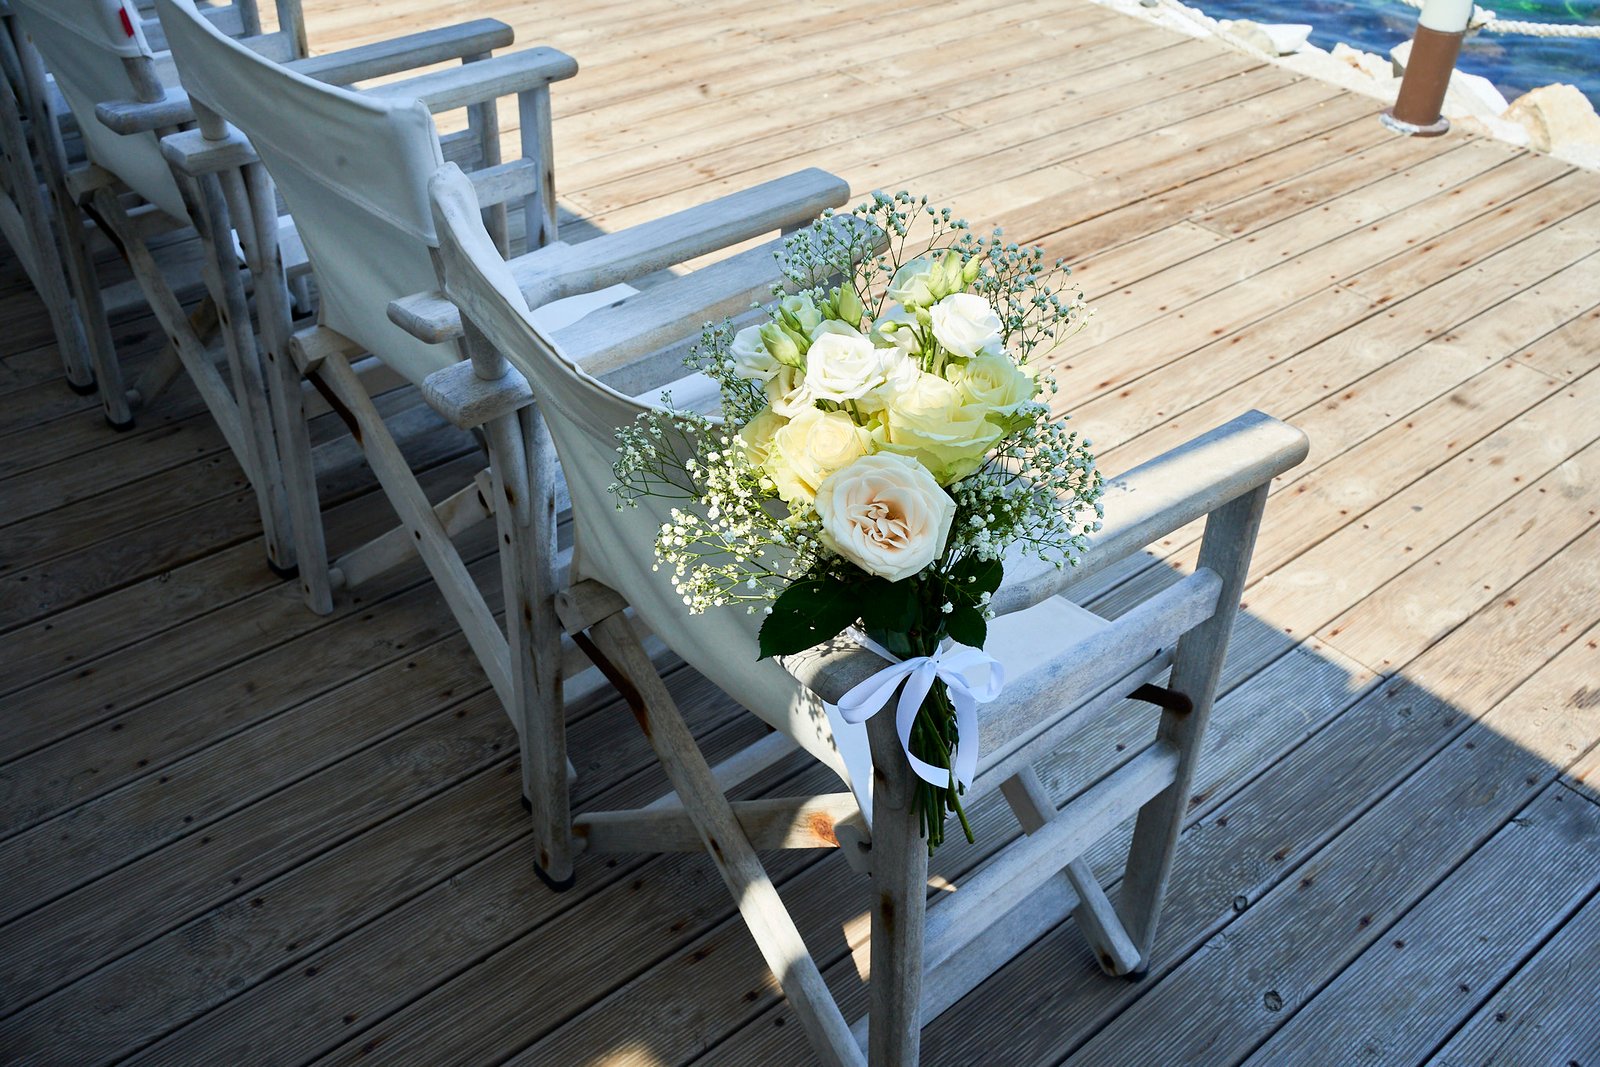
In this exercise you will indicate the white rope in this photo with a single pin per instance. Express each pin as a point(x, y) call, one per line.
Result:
point(1484, 19)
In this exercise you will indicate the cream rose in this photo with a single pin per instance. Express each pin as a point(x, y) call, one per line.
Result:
point(843, 366)
point(810, 447)
point(788, 394)
point(885, 514)
point(931, 422)
point(965, 325)
point(751, 360)
point(755, 437)
point(994, 381)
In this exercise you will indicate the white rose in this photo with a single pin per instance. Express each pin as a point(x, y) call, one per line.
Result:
point(885, 514)
point(931, 422)
point(788, 394)
point(810, 447)
point(966, 325)
point(994, 381)
point(751, 360)
point(843, 366)
point(755, 437)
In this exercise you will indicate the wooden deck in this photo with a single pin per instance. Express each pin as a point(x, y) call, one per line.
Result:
point(232, 832)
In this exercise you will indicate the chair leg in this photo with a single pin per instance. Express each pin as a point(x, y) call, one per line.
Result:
point(522, 465)
point(899, 903)
point(539, 208)
point(287, 402)
point(619, 653)
point(85, 283)
point(1229, 539)
point(215, 222)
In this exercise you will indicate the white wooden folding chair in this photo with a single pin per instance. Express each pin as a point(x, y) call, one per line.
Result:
point(354, 170)
point(1064, 666)
point(123, 97)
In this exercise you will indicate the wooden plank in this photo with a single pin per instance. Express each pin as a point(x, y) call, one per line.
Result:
point(1349, 894)
point(176, 538)
point(1567, 352)
point(112, 621)
point(463, 904)
point(458, 793)
point(1437, 964)
point(1542, 1015)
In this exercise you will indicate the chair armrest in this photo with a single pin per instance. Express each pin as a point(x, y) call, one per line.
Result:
point(409, 52)
point(193, 154)
point(1160, 496)
point(560, 270)
point(477, 83)
point(130, 116)
point(612, 344)
point(337, 68)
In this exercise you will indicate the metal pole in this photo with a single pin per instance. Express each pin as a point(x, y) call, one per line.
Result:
point(1440, 28)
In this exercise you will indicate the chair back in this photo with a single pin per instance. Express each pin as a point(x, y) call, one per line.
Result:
point(617, 546)
point(353, 171)
point(98, 53)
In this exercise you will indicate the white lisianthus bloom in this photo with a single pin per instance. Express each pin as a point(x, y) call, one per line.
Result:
point(885, 514)
point(838, 326)
point(751, 360)
point(931, 422)
point(965, 325)
point(843, 366)
point(900, 372)
point(810, 447)
point(800, 312)
point(755, 436)
point(916, 283)
point(787, 392)
point(894, 329)
point(994, 381)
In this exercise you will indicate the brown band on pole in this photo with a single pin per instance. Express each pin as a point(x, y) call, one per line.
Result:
point(1427, 77)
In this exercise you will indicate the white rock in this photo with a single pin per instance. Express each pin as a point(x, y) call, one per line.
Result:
point(1287, 37)
point(1371, 65)
point(1472, 94)
point(1250, 34)
point(1558, 118)
point(1400, 55)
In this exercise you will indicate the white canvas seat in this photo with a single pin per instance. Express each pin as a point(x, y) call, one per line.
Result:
point(353, 170)
point(1070, 666)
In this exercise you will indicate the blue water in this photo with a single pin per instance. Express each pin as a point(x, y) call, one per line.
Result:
point(1514, 63)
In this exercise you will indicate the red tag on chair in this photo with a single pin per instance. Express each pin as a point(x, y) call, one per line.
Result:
point(127, 23)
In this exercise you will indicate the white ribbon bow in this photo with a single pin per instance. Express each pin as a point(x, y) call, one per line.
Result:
point(951, 664)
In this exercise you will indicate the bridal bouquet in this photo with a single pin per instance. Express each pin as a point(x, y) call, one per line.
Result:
point(884, 439)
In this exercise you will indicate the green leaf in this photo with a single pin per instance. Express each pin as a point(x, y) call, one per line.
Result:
point(889, 606)
point(967, 626)
point(977, 576)
point(808, 613)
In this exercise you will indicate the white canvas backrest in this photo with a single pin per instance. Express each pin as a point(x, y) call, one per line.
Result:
point(87, 45)
point(617, 546)
point(353, 171)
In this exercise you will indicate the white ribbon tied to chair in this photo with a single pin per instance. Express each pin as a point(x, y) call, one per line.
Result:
point(956, 666)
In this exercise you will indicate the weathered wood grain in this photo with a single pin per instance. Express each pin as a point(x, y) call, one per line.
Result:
point(1407, 992)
